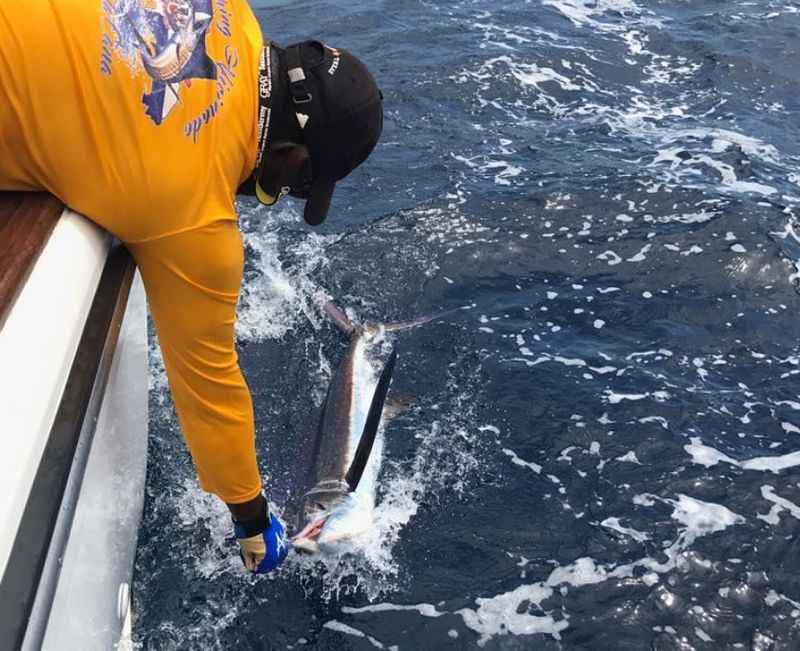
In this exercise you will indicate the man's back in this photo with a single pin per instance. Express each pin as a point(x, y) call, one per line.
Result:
point(159, 129)
point(141, 115)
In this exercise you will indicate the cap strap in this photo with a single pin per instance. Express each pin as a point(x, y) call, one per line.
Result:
point(264, 101)
point(297, 76)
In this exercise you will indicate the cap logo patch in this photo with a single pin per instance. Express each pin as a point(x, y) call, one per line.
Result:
point(296, 74)
point(335, 65)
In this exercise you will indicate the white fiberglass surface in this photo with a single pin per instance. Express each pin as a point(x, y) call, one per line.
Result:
point(37, 346)
point(98, 558)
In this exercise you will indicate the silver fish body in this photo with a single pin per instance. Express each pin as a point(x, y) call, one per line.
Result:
point(340, 502)
point(339, 505)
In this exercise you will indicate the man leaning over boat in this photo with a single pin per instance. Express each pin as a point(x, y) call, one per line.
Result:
point(148, 117)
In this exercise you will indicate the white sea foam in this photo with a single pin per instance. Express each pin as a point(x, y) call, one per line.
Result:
point(702, 518)
point(697, 217)
point(656, 419)
point(501, 615)
point(699, 632)
point(774, 597)
point(615, 398)
point(564, 456)
point(708, 456)
point(610, 257)
point(729, 180)
point(690, 153)
point(705, 455)
point(569, 361)
point(339, 627)
point(583, 571)
point(789, 428)
point(585, 13)
point(521, 462)
point(780, 504)
point(566, 361)
point(629, 457)
point(682, 157)
point(534, 75)
point(614, 525)
point(649, 353)
point(641, 256)
point(722, 139)
point(773, 464)
point(426, 610)
point(602, 370)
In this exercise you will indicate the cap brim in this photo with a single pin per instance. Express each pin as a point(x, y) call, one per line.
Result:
point(319, 201)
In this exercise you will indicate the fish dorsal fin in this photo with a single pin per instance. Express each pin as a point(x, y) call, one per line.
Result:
point(361, 457)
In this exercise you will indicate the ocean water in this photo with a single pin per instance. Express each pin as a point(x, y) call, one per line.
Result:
point(603, 444)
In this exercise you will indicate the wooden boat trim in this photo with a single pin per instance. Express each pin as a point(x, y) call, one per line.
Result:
point(26, 221)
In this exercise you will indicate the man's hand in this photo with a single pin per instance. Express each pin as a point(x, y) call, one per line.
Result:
point(262, 540)
point(263, 552)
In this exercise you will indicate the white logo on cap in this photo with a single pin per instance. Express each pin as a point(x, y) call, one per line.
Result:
point(335, 64)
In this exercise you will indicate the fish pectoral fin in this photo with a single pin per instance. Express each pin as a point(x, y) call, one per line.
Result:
point(371, 425)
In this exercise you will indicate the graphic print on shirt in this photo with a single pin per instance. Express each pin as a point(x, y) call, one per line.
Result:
point(166, 39)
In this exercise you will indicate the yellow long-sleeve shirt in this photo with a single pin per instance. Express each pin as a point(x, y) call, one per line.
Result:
point(142, 115)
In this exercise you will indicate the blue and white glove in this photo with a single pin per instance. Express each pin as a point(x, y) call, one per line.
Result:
point(262, 548)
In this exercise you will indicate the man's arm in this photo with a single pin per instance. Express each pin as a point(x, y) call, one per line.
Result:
point(192, 281)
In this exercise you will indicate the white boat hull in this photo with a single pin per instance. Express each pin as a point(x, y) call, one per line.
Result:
point(69, 588)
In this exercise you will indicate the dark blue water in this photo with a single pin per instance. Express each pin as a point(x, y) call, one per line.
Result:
point(603, 450)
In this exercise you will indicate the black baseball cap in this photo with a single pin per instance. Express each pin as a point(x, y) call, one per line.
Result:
point(339, 111)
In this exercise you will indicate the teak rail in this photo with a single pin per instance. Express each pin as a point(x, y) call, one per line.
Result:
point(26, 221)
